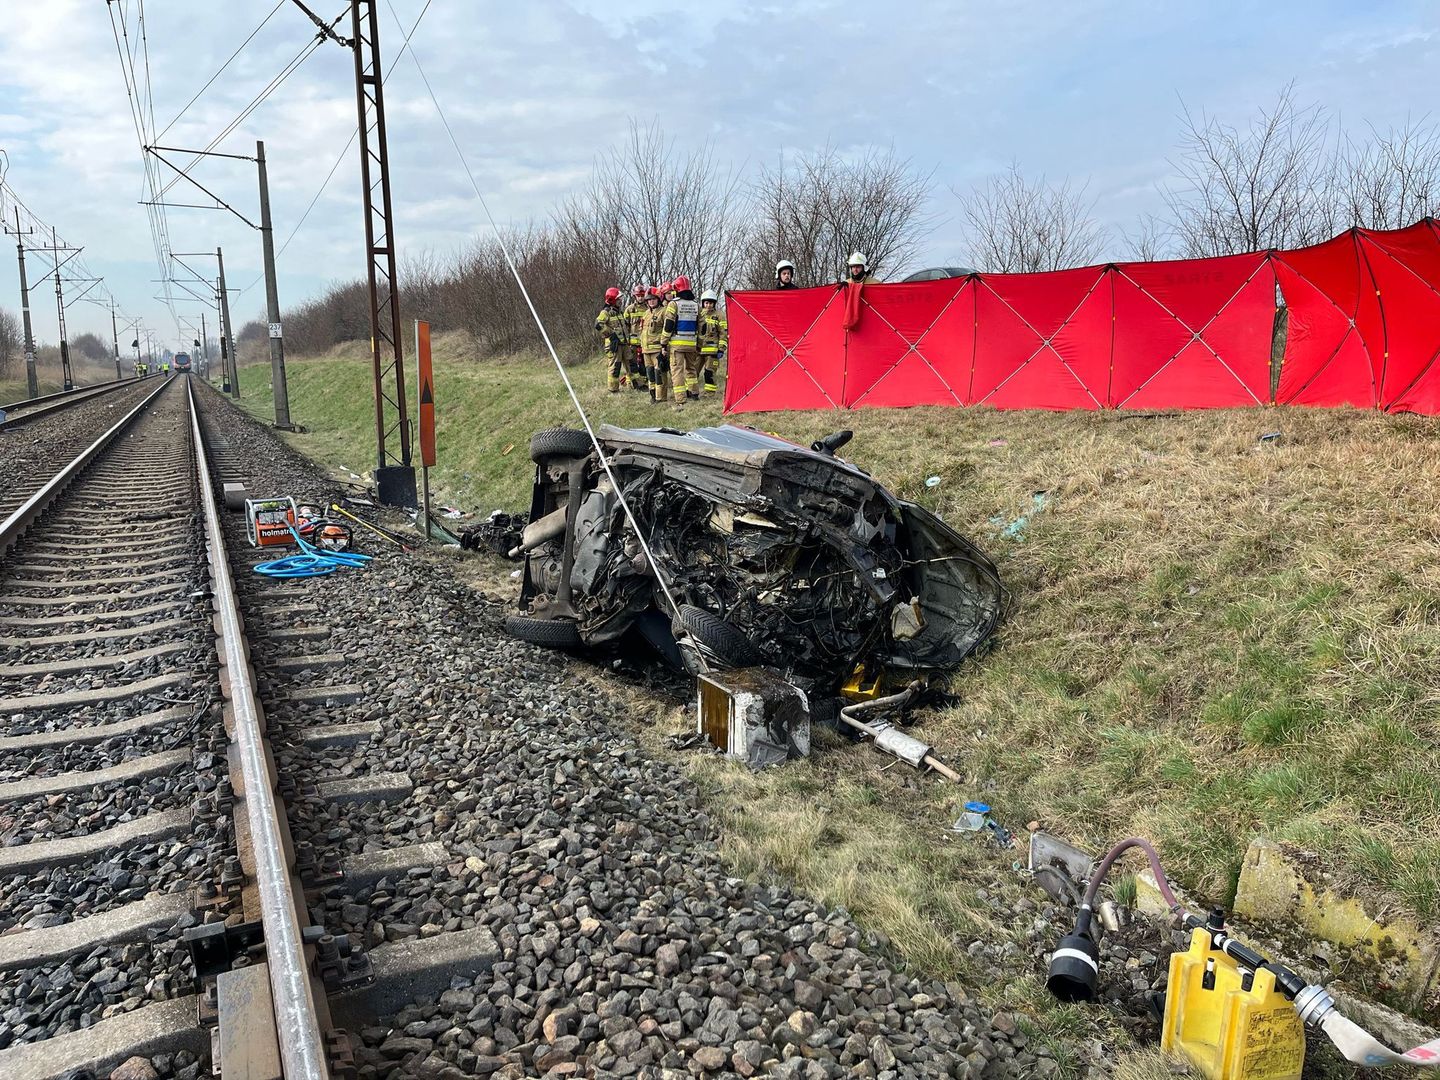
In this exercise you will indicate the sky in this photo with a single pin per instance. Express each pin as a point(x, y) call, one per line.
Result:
point(535, 91)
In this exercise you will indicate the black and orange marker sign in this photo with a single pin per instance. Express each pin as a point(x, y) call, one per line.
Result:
point(427, 394)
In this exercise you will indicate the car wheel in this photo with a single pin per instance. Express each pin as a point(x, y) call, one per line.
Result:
point(552, 633)
point(559, 442)
point(723, 640)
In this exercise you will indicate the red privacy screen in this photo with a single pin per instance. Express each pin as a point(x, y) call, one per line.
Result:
point(1364, 329)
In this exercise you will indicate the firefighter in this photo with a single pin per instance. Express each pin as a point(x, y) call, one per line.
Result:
point(651, 348)
point(610, 325)
point(857, 271)
point(634, 316)
point(785, 275)
point(712, 333)
point(682, 318)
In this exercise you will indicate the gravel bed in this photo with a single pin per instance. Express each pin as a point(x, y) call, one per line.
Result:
point(182, 692)
point(79, 813)
point(84, 757)
point(625, 945)
point(39, 649)
point(53, 999)
point(119, 877)
point(31, 451)
point(196, 657)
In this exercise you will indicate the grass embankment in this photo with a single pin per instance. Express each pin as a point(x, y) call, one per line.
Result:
point(1211, 636)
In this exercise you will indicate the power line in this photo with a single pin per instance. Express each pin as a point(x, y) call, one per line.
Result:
point(210, 81)
point(348, 144)
point(545, 334)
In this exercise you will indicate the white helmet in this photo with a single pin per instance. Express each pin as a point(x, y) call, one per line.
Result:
point(709, 294)
point(856, 259)
point(784, 264)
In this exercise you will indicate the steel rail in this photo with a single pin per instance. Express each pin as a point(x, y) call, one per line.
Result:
point(13, 527)
point(48, 403)
point(302, 1048)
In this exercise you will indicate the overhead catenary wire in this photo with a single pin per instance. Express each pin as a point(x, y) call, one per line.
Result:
point(210, 81)
point(545, 336)
point(354, 134)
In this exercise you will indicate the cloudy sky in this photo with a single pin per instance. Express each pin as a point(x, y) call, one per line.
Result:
point(535, 90)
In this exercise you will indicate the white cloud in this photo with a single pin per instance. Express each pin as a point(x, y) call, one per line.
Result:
point(535, 91)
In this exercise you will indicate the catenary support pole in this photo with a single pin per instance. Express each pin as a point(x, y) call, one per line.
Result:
point(227, 331)
point(115, 341)
point(32, 379)
point(272, 299)
point(394, 473)
point(67, 377)
point(202, 362)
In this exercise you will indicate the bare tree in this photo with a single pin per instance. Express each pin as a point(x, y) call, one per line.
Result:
point(1016, 226)
point(11, 347)
point(815, 209)
point(1390, 180)
point(651, 212)
point(1269, 185)
point(1149, 239)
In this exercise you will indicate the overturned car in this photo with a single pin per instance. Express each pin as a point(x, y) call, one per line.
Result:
point(772, 554)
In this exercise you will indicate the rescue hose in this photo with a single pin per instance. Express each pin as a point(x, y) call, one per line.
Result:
point(1074, 970)
point(311, 561)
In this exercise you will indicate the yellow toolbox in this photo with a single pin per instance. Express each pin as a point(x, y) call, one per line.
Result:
point(1232, 1023)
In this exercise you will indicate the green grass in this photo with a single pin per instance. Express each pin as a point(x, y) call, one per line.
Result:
point(1210, 638)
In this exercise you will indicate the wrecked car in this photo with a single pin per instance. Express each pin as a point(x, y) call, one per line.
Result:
point(775, 555)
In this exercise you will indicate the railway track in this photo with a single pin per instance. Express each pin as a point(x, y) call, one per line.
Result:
point(22, 412)
point(35, 442)
point(148, 901)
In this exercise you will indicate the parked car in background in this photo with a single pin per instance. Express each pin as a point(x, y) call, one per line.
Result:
point(939, 273)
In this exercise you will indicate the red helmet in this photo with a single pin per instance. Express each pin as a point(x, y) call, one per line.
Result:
point(612, 294)
point(657, 291)
point(638, 292)
point(682, 283)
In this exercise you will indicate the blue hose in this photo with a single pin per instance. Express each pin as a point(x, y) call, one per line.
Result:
point(311, 562)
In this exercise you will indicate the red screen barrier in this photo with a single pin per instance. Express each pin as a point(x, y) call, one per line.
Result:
point(1364, 329)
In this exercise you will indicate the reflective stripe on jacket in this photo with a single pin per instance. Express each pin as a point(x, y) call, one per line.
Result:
point(681, 318)
point(634, 319)
point(712, 332)
point(651, 330)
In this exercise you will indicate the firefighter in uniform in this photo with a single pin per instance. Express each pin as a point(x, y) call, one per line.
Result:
point(857, 270)
point(712, 332)
point(634, 316)
point(651, 348)
point(682, 319)
point(610, 325)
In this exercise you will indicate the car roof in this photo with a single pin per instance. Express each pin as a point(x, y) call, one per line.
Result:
point(731, 440)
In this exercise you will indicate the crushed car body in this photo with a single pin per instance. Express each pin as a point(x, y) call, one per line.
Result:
point(776, 555)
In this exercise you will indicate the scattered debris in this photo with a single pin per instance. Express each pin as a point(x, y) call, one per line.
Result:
point(998, 442)
point(974, 819)
point(753, 715)
point(932, 481)
point(500, 534)
point(1015, 530)
point(1271, 436)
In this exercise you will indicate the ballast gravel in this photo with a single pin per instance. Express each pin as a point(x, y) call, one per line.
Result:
point(625, 946)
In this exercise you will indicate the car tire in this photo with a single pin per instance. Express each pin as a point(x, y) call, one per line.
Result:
point(559, 442)
point(551, 633)
point(724, 640)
